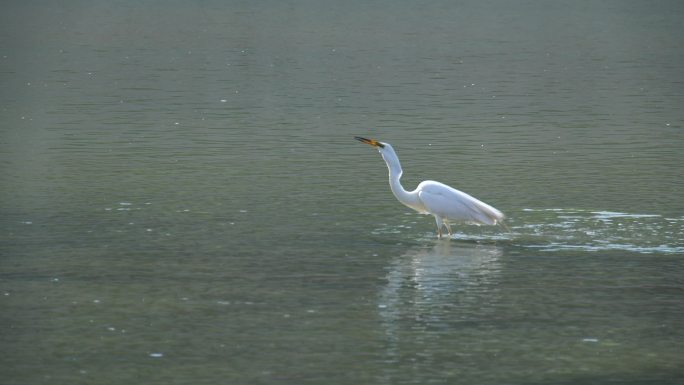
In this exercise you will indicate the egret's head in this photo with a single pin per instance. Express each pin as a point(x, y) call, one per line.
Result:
point(371, 142)
point(381, 146)
point(387, 152)
point(384, 148)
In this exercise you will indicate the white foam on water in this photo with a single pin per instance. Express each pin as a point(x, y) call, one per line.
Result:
point(612, 214)
point(558, 229)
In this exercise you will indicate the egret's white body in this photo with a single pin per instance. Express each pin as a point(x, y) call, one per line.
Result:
point(445, 203)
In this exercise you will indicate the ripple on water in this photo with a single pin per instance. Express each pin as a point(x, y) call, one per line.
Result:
point(558, 229)
point(573, 229)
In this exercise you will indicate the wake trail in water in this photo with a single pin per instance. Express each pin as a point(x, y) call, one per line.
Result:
point(573, 229)
point(559, 229)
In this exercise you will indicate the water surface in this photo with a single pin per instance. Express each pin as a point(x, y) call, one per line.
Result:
point(182, 200)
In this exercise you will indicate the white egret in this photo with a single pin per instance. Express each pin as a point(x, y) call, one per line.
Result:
point(435, 198)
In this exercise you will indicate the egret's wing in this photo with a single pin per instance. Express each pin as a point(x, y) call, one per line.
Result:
point(447, 202)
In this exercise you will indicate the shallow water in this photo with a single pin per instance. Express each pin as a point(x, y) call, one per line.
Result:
point(182, 200)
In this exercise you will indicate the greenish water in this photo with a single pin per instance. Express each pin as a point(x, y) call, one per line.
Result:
point(182, 200)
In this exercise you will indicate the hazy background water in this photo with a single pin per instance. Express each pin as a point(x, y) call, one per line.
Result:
point(182, 200)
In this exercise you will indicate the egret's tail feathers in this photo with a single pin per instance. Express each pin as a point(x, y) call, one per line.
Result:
point(487, 214)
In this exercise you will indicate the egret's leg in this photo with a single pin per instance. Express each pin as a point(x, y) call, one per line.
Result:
point(448, 227)
point(439, 226)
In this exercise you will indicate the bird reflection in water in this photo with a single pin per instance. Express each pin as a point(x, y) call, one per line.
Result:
point(431, 292)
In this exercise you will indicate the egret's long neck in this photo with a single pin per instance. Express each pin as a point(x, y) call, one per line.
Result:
point(395, 172)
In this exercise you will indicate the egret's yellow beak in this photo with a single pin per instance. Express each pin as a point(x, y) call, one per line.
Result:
point(372, 142)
